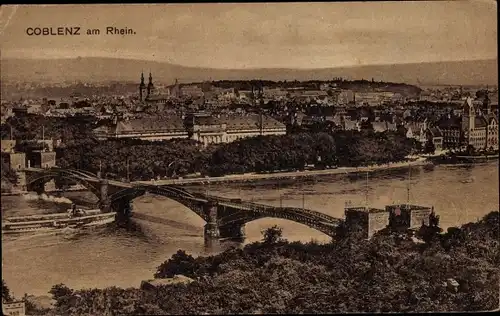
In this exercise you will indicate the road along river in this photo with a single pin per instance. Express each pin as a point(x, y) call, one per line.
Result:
point(124, 258)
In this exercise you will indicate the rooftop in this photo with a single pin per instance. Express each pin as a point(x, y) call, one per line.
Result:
point(151, 124)
point(237, 122)
point(364, 209)
point(480, 121)
point(449, 122)
point(406, 207)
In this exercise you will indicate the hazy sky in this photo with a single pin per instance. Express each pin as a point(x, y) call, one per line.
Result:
point(298, 35)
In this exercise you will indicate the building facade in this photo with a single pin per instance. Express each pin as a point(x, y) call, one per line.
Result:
point(492, 132)
point(369, 220)
point(451, 129)
point(474, 126)
point(205, 128)
point(209, 129)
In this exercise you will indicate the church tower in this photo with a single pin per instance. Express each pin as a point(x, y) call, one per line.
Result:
point(487, 102)
point(469, 117)
point(150, 85)
point(142, 87)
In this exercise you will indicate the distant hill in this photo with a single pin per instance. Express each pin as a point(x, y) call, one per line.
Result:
point(95, 69)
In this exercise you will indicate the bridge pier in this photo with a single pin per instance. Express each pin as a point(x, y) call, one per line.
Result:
point(211, 235)
point(21, 181)
point(123, 209)
point(233, 233)
point(211, 232)
point(105, 203)
point(39, 187)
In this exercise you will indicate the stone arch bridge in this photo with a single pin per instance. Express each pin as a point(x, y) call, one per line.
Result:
point(225, 218)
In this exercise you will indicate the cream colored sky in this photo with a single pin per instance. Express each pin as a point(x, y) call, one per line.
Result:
point(297, 35)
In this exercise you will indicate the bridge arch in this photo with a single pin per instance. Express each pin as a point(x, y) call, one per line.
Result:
point(322, 223)
point(195, 204)
point(82, 173)
point(47, 176)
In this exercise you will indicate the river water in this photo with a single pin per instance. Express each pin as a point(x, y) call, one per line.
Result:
point(124, 258)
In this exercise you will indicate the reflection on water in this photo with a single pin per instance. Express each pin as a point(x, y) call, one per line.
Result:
point(125, 257)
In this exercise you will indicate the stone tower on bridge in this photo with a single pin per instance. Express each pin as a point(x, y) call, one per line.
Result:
point(40, 154)
point(14, 161)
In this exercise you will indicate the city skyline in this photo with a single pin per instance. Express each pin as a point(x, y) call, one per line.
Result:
point(243, 36)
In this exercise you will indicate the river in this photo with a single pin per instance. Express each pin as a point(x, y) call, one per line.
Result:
point(124, 258)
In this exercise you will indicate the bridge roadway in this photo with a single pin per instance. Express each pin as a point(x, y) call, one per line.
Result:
point(320, 221)
point(256, 207)
point(84, 175)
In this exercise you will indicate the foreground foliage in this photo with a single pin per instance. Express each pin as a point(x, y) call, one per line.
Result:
point(386, 273)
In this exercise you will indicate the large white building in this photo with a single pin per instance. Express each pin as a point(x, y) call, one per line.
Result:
point(204, 128)
point(228, 128)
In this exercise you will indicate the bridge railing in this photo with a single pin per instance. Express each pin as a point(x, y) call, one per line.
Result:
point(258, 206)
point(57, 170)
point(325, 227)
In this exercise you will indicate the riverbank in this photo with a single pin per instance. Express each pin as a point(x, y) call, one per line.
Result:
point(251, 177)
point(254, 177)
point(462, 159)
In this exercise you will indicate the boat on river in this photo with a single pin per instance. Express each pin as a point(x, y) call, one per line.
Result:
point(74, 218)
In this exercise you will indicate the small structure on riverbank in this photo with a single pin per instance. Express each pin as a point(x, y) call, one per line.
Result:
point(370, 220)
point(398, 217)
point(17, 308)
point(408, 216)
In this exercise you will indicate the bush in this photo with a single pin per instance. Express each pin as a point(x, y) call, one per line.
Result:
point(5, 293)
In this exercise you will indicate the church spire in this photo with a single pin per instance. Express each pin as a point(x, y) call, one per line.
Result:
point(142, 86)
point(150, 85)
point(487, 102)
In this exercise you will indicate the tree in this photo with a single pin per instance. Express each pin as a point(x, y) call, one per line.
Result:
point(63, 296)
point(59, 291)
point(470, 150)
point(272, 235)
point(8, 174)
point(430, 233)
point(429, 147)
point(6, 297)
point(180, 263)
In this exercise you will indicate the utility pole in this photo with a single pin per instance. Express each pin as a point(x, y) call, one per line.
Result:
point(128, 171)
point(261, 117)
point(207, 188)
point(279, 191)
point(408, 187)
point(43, 132)
point(11, 134)
point(366, 191)
point(303, 201)
point(303, 198)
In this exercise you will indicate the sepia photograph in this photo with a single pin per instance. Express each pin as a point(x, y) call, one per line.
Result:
point(249, 158)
